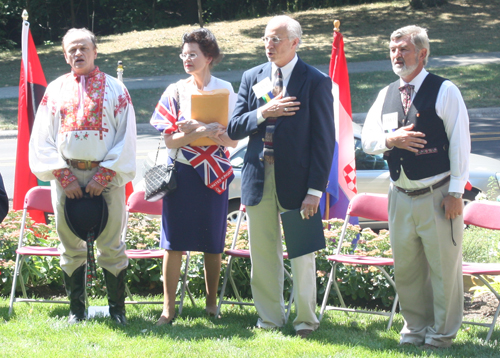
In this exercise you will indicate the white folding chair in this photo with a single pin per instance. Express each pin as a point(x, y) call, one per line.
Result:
point(485, 214)
point(373, 207)
point(137, 204)
point(233, 253)
point(37, 198)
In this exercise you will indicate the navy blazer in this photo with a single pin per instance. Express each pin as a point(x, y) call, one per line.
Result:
point(303, 143)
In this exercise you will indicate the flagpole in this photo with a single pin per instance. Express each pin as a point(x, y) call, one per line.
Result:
point(129, 187)
point(24, 47)
point(119, 71)
point(336, 28)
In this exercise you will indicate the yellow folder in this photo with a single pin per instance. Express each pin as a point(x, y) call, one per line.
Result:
point(209, 107)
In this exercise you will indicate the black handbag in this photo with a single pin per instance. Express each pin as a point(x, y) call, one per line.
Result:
point(160, 180)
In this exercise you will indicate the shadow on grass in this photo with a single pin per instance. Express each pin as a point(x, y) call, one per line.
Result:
point(340, 331)
point(360, 330)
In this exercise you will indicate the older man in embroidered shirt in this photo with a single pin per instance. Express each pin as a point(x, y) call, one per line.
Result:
point(84, 138)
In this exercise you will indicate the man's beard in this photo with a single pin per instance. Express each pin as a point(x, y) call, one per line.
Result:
point(405, 70)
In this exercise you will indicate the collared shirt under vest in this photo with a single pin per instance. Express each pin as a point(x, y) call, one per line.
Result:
point(433, 159)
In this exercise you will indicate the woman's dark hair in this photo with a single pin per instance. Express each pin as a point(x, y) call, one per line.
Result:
point(207, 43)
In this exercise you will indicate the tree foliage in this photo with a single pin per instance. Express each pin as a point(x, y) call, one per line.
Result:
point(50, 19)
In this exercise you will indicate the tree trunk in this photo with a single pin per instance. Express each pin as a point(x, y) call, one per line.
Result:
point(73, 17)
point(200, 13)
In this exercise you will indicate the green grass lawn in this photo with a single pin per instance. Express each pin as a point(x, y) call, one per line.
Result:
point(478, 84)
point(37, 330)
point(460, 26)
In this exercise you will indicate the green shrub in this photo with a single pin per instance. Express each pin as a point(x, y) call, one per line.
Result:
point(481, 245)
point(362, 286)
point(39, 270)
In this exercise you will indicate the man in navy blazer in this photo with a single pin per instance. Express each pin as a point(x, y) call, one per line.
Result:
point(288, 159)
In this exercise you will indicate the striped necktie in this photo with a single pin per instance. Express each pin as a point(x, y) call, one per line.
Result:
point(271, 121)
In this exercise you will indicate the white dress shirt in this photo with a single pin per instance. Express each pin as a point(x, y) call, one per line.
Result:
point(450, 107)
point(286, 72)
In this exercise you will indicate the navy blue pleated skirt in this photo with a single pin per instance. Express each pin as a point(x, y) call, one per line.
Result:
point(194, 216)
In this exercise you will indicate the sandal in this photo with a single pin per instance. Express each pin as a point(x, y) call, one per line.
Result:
point(164, 320)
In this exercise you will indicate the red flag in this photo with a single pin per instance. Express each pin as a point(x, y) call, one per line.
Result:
point(129, 189)
point(32, 86)
point(345, 166)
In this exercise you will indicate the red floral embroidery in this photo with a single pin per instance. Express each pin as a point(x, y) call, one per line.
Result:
point(93, 99)
point(44, 100)
point(104, 176)
point(123, 101)
point(64, 176)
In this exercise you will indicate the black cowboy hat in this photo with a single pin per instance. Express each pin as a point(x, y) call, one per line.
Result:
point(86, 215)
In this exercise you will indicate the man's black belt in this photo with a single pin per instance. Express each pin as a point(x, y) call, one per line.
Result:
point(82, 164)
point(424, 190)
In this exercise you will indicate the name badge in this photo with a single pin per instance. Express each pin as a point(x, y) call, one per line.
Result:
point(264, 89)
point(390, 122)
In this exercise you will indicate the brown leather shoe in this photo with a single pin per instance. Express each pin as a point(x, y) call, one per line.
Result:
point(304, 333)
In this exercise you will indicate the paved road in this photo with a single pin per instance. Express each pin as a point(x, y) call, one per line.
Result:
point(146, 143)
point(354, 67)
point(485, 133)
point(485, 122)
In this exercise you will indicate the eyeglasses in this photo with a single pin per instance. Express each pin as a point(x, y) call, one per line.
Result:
point(186, 56)
point(275, 39)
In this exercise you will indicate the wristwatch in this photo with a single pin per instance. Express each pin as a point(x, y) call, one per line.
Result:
point(455, 195)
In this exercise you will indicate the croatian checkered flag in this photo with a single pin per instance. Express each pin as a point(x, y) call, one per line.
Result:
point(342, 184)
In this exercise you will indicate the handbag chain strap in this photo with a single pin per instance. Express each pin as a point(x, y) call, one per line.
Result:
point(161, 134)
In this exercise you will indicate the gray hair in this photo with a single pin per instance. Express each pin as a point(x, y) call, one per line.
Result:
point(292, 26)
point(418, 37)
point(83, 31)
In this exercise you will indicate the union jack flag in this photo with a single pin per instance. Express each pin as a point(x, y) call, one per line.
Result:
point(165, 116)
point(212, 164)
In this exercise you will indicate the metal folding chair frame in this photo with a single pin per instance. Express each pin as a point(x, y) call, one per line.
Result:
point(44, 204)
point(485, 214)
point(233, 253)
point(152, 208)
point(377, 262)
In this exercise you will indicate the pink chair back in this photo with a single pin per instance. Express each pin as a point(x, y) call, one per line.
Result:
point(485, 214)
point(137, 204)
point(38, 198)
point(369, 206)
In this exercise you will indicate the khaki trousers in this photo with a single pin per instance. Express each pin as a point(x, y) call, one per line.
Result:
point(428, 267)
point(266, 253)
point(110, 249)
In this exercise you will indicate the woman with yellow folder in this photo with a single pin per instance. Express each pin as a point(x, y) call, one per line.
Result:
point(194, 215)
